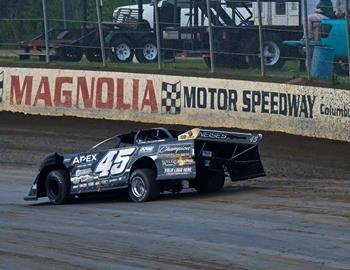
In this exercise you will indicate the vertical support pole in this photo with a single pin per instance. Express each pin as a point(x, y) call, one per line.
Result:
point(156, 18)
point(261, 40)
point(99, 4)
point(64, 12)
point(211, 40)
point(46, 34)
point(84, 19)
point(347, 31)
point(307, 43)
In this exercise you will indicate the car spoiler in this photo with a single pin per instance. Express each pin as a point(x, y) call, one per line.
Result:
point(221, 136)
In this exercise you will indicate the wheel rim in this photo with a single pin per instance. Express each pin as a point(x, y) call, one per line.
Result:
point(123, 51)
point(150, 51)
point(52, 188)
point(271, 53)
point(138, 187)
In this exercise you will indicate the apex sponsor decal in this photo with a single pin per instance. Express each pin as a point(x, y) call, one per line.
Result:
point(84, 158)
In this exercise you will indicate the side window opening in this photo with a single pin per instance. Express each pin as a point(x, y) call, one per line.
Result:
point(151, 135)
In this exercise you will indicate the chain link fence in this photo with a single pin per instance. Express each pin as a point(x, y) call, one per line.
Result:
point(275, 39)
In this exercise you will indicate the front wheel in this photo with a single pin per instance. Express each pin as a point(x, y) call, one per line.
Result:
point(57, 186)
point(121, 51)
point(143, 186)
point(209, 181)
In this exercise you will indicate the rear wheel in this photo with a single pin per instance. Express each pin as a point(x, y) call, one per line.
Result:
point(93, 55)
point(209, 181)
point(143, 186)
point(121, 50)
point(147, 52)
point(70, 54)
point(57, 186)
point(273, 52)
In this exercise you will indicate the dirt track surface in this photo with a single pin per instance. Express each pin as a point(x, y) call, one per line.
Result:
point(298, 217)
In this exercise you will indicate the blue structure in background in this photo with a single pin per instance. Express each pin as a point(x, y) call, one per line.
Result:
point(322, 63)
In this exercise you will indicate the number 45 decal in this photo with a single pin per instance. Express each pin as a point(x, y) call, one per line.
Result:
point(114, 162)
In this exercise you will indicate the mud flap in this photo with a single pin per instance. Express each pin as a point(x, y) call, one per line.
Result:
point(247, 165)
point(33, 192)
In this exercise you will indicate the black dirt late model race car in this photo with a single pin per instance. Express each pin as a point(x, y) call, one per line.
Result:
point(151, 161)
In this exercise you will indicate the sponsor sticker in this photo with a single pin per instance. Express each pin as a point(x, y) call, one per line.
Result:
point(146, 149)
point(178, 170)
point(175, 149)
point(84, 158)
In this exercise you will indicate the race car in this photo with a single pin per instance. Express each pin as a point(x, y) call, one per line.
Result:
point(149, 162)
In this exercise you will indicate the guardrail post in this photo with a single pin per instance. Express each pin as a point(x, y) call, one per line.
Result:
point(99, 4)
point(156, 17)
point(347, 31)
point(307, 44)
point(211, 40)
point(261, 40)
point(46, 34)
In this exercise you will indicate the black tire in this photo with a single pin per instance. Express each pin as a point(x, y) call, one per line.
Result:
point(70, 54)
point(272, 45)
point(94, 55)
point(341, 67)
point(121, 50)
point(57, 186)
point(143, 185)
point(147, 51)
point(209, 181)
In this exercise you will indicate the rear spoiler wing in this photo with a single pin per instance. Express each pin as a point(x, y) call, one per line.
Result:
point(221, 136)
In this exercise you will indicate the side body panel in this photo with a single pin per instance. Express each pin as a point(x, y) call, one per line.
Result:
point(110, 169)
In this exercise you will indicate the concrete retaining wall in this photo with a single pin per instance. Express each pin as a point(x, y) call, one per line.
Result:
point(300, 110)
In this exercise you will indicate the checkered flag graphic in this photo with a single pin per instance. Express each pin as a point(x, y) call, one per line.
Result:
point(1, 85)
point(171, 98)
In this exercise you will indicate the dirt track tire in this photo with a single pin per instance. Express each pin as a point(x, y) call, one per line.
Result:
point(57, 186)
point(147, 51)
point(121, 50)
point(70, 54)
point(143, 186)
point(208, 182)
